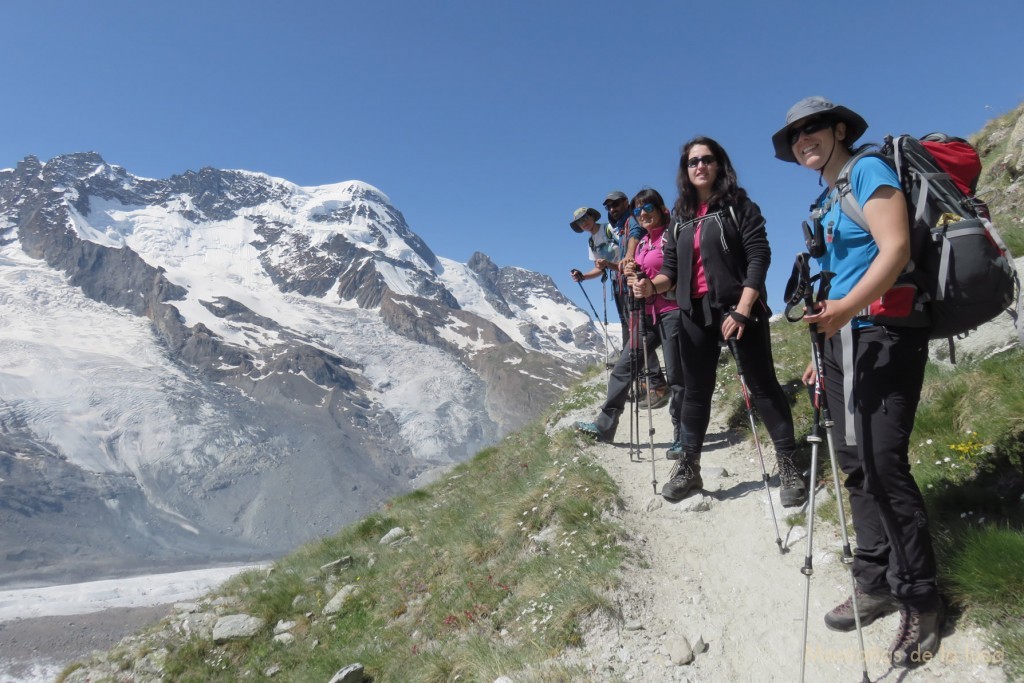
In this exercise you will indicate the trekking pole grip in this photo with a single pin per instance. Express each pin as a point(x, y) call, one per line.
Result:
point(734, 350)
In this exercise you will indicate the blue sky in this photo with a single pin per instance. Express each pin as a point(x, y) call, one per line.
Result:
point(488, 122)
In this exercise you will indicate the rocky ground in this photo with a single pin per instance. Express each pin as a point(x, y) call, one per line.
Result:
point(712, 573)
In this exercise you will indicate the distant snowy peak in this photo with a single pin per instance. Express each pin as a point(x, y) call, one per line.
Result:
point(233, 266)
point(342, 242)
point(184, 358)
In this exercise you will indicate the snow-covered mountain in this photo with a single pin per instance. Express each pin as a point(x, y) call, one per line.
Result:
point(222, 364)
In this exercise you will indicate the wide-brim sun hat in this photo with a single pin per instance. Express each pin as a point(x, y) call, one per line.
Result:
point(809, 106)
point(581, 213)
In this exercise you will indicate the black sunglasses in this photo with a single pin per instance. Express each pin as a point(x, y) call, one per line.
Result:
point(694, 162)
point(809, 128)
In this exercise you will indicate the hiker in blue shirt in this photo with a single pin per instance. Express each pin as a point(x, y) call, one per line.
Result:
point(873, 374)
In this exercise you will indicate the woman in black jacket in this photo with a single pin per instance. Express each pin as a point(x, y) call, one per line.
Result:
point(716, 257)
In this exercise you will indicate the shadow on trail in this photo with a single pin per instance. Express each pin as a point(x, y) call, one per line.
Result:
point(738, 490)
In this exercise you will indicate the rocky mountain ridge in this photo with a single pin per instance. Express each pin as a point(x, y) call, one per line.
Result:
point(223, 364)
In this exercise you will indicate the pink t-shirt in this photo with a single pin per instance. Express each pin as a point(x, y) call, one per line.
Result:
point(698, 283)
point(649, 257)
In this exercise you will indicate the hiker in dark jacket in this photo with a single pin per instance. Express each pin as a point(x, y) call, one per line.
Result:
point(660, 323)
point(717, 257)
point(894, 563)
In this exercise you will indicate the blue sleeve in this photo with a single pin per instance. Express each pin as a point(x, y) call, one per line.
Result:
point(635, 231)
point(870, 174)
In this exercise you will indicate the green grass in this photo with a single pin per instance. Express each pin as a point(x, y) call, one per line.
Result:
point(581, 395)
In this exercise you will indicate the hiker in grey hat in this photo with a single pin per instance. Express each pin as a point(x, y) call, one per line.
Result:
point(894, 564)
point(627, 228)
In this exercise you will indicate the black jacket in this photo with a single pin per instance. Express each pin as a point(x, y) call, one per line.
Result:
point(735, 253)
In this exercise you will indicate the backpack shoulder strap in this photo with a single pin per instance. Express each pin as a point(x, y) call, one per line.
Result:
point(847, 202)
point(628, 226)
point(737, 234)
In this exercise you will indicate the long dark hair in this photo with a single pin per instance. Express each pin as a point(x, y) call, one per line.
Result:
point(649, 196)
point(726, 190)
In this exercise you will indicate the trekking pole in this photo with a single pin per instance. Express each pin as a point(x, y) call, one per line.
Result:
point(604, 309)
point(634, 385)
point(799, 289)
point(642, 316)
point(731, 342)
point(604, 326)
point(818, 343)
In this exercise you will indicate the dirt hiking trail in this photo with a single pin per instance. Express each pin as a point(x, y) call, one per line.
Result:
point(711, 571)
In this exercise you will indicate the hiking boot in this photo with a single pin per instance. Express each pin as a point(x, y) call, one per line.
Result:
point(590, 429)
point(792, 491)
point(674, 451)
point(918, 638)
point(684, 477)
point(871, 606)
point(656, 397)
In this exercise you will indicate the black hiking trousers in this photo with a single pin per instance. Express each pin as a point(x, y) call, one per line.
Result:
point(894, 547)
point(700, 348)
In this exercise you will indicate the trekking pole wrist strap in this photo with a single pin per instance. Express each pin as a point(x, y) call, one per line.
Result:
point(739, 317)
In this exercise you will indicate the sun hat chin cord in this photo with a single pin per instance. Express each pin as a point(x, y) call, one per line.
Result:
point(821, 171)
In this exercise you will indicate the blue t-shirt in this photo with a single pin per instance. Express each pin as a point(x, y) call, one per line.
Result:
point(851, 248)
point(628, 224)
